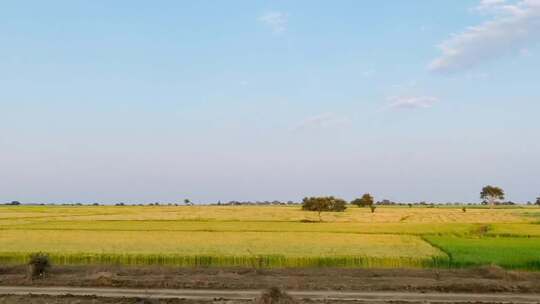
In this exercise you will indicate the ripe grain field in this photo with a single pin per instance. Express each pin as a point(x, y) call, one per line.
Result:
point(273, 236)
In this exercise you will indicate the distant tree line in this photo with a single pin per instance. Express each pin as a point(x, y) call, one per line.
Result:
point(490, 195)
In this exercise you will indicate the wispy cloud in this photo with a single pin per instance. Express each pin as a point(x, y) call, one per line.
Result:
point(411, 102)
point(490, 6)
point(513, 26)
point(368, 73)
point(276, 21)
point(322, 121)
point(525, 52)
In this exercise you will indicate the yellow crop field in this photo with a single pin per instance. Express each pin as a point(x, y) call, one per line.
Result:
point(266, 236)
point(265, 213)
point(217, 243)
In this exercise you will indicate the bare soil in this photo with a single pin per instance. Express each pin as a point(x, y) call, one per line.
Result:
point(271, 298)
point(479, 280)
point(43, 299)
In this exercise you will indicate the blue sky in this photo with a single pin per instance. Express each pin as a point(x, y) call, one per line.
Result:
point(108, 101)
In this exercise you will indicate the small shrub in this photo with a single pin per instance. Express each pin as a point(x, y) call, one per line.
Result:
point(39, 264)
point(147, 301)
point(274, 295)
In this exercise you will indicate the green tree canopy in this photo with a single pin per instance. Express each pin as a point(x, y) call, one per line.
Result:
point(365, 200)
point(325, 203)
point(492, 194)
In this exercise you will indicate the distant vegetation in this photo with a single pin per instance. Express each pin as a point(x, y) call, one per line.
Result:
point(491, 194)
point(365, 201)
point(322, 204)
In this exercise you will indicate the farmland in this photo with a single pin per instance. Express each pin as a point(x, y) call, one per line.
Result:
point(273, 236)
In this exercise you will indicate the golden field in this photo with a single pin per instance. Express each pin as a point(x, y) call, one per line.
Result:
point(269, 236)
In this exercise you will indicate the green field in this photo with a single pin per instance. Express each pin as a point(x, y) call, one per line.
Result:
point(503, 251)
point(273, 236)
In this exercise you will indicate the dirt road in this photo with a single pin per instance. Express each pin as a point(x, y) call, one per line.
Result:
point(208, 294)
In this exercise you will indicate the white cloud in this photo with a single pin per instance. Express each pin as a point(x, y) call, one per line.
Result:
point(322, 121)
point(277, 21)
point(514, 25)
point(411, 102)
point(525, 52)
point(490, 5)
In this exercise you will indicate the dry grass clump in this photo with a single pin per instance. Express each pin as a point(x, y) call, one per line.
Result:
point(275, 295)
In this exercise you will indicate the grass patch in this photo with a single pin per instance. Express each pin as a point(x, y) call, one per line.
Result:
point(515, 230)
point(508, 252)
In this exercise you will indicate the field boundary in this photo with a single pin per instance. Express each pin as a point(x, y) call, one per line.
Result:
point(251, 261)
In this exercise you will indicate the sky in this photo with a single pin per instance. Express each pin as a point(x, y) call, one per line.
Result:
point(158, 101)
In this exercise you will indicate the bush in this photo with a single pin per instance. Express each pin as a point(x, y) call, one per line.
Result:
point(275, 296)
point(39, 264)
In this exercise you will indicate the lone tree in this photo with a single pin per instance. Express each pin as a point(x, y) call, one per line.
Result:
point(365, 200)
point(325, 203)
point(491, 194)
point(537, 201)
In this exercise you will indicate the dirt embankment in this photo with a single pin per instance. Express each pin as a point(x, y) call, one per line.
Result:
point(70, 299)
point(487, 279)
